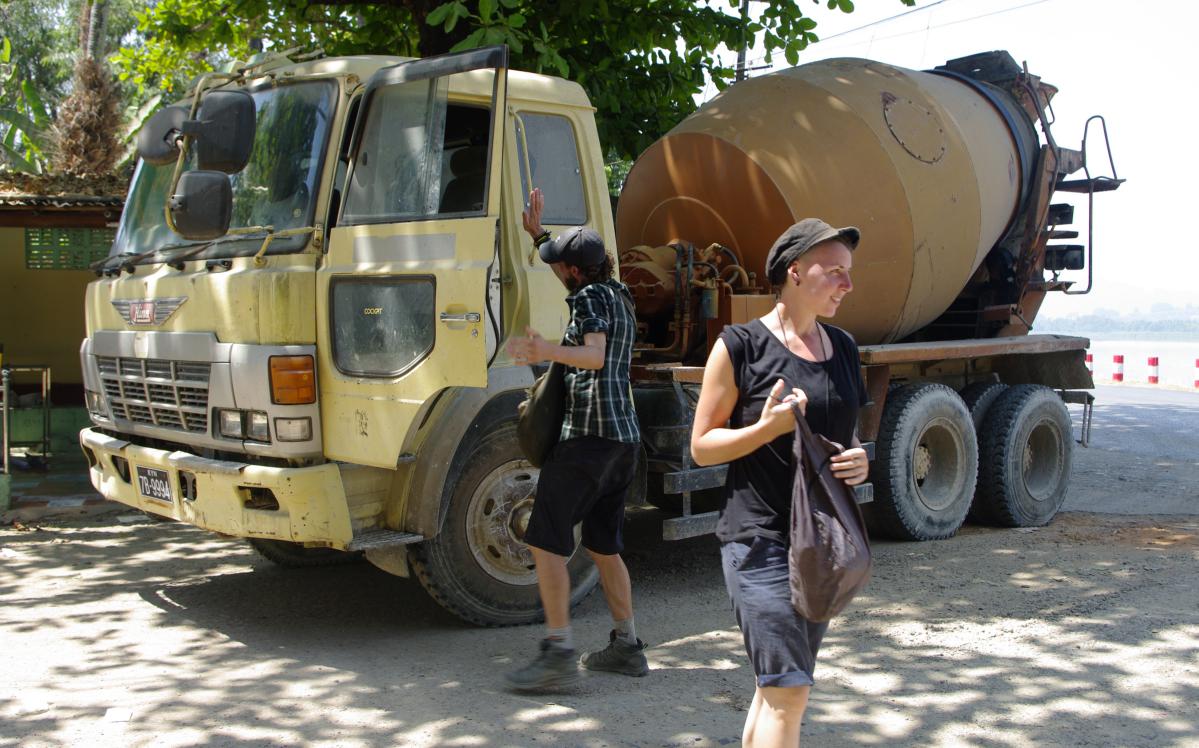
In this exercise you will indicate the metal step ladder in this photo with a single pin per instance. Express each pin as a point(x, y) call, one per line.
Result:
point(1059, 257)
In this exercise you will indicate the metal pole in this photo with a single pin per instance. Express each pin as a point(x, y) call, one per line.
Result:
point(5, 393)
point(46, 414)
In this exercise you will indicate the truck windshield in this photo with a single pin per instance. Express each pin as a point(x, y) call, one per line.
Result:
point(277, 188)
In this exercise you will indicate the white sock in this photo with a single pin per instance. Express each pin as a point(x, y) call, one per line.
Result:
point(625, 630)
point(563, 638)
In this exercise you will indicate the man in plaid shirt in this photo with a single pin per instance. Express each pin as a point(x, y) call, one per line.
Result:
point(588, 474)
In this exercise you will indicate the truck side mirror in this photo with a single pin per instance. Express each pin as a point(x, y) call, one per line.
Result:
point(202, 205)
point(158, 140)
point(224, 131)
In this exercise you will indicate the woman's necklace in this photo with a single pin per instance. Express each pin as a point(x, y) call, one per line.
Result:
point(787, 341)
point(820, 333)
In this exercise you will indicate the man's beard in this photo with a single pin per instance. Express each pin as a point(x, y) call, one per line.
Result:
point(573, 284)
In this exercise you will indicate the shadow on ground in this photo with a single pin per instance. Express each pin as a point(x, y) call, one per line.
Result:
point(1083, 633)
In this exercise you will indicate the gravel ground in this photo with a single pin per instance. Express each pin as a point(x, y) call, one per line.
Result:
point(122, 631)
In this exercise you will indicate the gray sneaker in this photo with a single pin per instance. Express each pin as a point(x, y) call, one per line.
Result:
point(618, 657)
point(554, 667)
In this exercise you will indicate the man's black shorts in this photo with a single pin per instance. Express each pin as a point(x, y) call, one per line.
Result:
point(584, 480)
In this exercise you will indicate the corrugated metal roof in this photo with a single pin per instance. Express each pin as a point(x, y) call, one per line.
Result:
point(60, 192)
point(58, 202)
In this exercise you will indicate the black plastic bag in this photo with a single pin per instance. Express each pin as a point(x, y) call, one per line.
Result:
point(829, 559)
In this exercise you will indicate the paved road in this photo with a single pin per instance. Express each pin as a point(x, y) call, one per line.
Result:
point(1144, 453)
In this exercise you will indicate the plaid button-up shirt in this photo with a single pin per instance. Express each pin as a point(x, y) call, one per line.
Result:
point(599, 402)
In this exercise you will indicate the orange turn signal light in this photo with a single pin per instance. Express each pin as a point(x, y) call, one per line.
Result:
point(293, 380)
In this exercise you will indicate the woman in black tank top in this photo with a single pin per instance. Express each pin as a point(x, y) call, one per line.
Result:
point(754, 375)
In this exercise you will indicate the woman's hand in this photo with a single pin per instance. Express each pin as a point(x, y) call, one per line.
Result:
point(528, 350)
point(851, 466)
point(777, 418)
point(531, 216)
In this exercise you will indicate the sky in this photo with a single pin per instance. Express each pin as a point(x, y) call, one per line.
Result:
point(1132, 62)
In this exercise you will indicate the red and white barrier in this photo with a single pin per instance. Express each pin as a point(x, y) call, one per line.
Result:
point(1090, 363)
point(1118, 374)
point(1197, 373)
point(1153, 370)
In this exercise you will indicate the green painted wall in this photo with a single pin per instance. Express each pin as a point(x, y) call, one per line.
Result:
point(41, 312)
point(65, 424)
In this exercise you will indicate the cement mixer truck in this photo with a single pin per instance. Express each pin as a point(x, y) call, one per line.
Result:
point(297, 338)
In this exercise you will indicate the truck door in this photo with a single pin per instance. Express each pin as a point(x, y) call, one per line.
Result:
point(409, 292)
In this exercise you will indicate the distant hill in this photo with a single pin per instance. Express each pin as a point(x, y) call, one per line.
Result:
point(1104, 323)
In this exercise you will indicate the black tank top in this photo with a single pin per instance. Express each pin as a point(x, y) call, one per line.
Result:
point(759, 484)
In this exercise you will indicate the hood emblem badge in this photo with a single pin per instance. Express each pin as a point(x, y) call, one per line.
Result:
point(147, 311)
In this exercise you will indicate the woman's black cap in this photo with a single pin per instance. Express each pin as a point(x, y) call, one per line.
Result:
point(800, 238)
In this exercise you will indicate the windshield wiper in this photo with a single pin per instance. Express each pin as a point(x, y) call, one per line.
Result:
point(101, 267)
point(177, 262)
point(131, 259)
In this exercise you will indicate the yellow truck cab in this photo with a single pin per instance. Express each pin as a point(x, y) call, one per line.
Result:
point(344, 389)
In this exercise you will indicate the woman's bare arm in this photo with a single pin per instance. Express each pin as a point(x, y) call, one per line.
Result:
point(712, 441)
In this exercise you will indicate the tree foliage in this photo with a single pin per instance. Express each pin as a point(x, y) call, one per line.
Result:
point(642, 62)
point(85, 136)
point(38, 55)
point(44, 35)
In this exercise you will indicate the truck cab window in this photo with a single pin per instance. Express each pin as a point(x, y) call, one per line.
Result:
point(553, 158)
point(464, 163)
point(420, 156)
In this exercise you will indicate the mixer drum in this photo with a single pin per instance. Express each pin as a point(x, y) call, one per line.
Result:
point(932, 168)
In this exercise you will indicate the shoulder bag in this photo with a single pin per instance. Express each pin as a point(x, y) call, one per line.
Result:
point(539, 417)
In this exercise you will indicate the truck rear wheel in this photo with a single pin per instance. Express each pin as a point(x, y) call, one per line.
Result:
point(979, 397)
point(478, 566)
point(926, 464)
point(296, 556)
point(1026, 449)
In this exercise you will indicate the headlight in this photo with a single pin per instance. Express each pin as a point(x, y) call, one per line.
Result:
point(244, 424)
point(257, 426)
point(231, 425)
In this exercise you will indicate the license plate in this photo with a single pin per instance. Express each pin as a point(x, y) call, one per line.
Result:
point(154, 484)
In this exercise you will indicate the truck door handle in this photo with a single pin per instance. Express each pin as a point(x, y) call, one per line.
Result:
point(467, 317)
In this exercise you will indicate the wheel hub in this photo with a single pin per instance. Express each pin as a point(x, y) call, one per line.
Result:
point(497, 518)
point(923, 462)
point(936, 461)
point(1042, 460)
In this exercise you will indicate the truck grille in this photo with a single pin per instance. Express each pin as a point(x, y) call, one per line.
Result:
point(167, 394)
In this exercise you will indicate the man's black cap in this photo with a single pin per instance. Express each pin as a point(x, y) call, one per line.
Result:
point(799, 239)
point(580, 246)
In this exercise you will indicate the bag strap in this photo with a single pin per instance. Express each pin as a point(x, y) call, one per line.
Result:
point(806, 435)
point(801, 422)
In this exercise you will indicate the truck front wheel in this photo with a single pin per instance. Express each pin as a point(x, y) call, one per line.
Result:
point(1025, 451)
point(926, 464)
point(478, 567)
